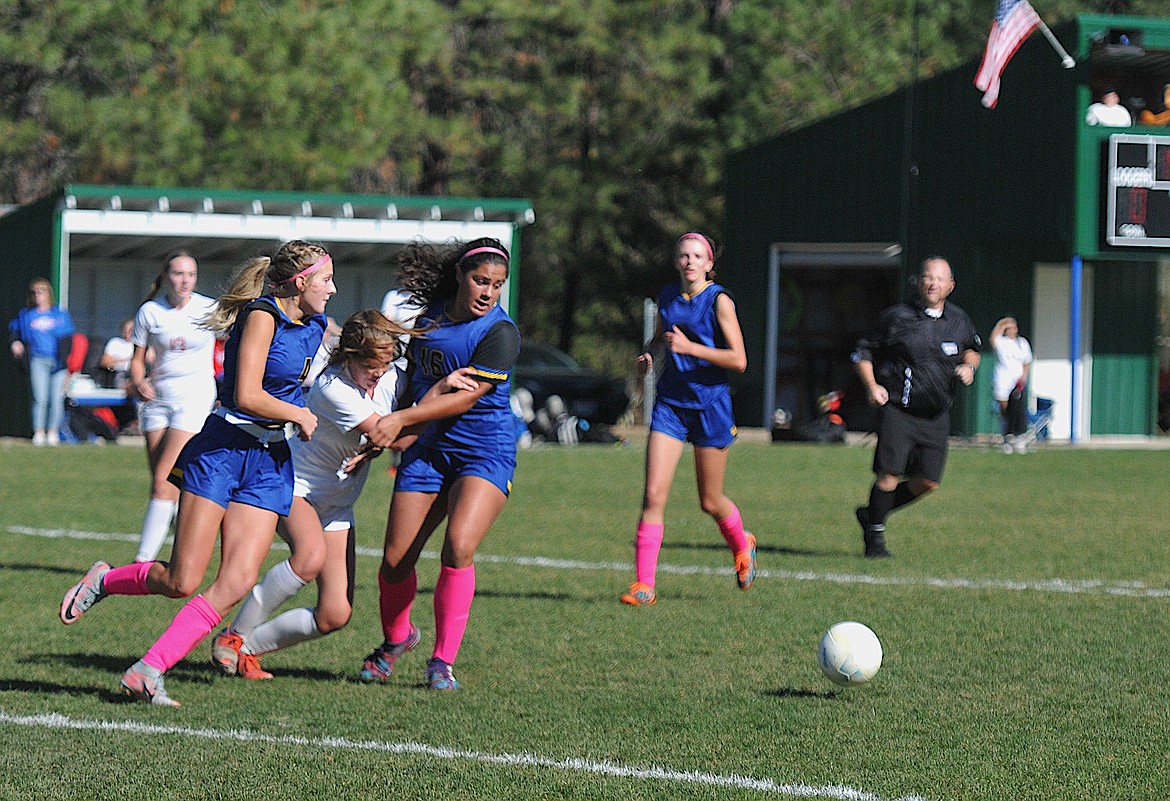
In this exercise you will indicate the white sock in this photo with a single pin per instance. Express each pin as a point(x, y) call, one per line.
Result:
point(155, 526)
point(278, 585)
point(290, 628)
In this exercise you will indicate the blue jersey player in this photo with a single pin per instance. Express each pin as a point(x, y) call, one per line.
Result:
point(236, 475)
point(461, 464)
point(701, 341)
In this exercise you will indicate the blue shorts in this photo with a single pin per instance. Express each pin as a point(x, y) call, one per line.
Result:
point(710, 427)
point(427, 470)
point(223, 463)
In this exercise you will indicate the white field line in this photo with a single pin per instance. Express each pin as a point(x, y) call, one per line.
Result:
point(521, 760)
point(1133, 589)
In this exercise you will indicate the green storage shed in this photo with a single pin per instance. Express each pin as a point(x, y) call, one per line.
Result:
point(101, 246)
point(1062, 224)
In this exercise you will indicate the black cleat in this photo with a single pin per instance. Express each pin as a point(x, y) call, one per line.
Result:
point(875, 541)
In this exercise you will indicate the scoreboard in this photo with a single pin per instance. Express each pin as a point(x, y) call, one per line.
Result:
point(1138, 191)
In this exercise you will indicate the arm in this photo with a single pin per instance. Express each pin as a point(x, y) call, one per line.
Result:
point(646, 357)
point(139, 385)
point(874, 392)
point(250, 394)
point(965, 370)
point(439, 407)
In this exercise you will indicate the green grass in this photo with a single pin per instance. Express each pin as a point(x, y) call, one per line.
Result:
point(997, 683)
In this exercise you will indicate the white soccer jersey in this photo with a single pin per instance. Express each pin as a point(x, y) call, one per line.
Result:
point(183, 366)
point(340, 407)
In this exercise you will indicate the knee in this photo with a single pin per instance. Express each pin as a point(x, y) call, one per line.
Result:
point(330, 620)
point(712, 506)
point(925, 486)
point(655, 499)
point(307, 562)
point(395, 572)
point(177, 586)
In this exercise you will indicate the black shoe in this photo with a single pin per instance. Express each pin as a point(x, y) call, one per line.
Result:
point(875, 541)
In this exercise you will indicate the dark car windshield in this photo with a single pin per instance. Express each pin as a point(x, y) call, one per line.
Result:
point(544, 356)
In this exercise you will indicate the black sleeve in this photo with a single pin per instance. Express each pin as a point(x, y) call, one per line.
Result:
point(496, 353)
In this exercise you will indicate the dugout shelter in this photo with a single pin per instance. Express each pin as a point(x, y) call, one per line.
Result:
point(1059, 223)
point(102, 246)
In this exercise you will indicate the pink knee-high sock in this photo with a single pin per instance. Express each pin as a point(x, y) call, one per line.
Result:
point(127, 580)
point(453, 594)
point(731, 527)
point(647, 543)
point(395, 601)
point(194, 622)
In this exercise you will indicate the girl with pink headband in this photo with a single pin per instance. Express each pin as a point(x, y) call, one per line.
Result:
point(460, 467)
point(236, 475)
point(699, 337)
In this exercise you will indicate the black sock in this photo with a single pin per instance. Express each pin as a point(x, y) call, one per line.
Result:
point(881, 503)
point(903, 495)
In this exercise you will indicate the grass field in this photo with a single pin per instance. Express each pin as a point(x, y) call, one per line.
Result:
point(1024, 622)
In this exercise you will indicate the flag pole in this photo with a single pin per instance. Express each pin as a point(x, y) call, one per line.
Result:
point(1066, 60)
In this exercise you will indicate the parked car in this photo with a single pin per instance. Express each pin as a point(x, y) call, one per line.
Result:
point(544, 370)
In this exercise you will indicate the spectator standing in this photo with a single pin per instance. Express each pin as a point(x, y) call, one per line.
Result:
point(1009, 382)
point(41, 337)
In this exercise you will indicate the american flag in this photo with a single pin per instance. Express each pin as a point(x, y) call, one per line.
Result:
point(1014, 22)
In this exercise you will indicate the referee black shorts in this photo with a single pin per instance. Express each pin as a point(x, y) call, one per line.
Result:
point(911, 446)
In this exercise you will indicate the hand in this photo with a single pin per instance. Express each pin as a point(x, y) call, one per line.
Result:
point(17, 349)
point(386, 430)
point(966, 373)
point(144, 389)
point(461, 379)
point(877, 395)
point(678, 342)
point(645, 362)
point(364, 453)
point(306, 425)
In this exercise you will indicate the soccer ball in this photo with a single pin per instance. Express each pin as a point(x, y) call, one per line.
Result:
point(849, 653)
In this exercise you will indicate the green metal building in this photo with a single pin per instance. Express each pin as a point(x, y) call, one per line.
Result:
point(1062, 224)
point(102, 246)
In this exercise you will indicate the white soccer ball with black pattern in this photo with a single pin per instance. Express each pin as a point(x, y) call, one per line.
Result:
point(849, 653)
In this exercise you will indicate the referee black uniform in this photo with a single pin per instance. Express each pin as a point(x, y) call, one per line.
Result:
point(917, 352)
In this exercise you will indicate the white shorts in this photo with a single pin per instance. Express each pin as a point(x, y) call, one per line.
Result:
point(187, 415)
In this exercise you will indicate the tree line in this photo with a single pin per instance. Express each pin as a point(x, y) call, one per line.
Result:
point(614, 117)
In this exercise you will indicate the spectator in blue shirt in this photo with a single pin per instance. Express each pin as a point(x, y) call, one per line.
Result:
point(41, 337)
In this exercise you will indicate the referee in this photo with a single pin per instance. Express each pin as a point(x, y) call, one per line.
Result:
point(908, 364)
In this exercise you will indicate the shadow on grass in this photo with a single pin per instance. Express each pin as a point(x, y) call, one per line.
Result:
point(720, 546)
point(793, 692)
point(21, 567)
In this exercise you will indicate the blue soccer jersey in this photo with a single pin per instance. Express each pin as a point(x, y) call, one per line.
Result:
point(489, 344)
point(686, 381)
point(289, 356)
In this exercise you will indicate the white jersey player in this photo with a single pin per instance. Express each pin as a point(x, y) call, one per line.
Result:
point(180, 390)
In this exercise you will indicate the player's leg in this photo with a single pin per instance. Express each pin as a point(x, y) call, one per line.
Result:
point(246, 537)
point(710, 471)
point(162, 449)
point(301, 529)
point(663, 451)
point(474, 503)
point(412, 518)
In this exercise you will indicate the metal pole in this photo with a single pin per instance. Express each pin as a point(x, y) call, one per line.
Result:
point(1074, 343)
point(772, 334)
point(649, 321)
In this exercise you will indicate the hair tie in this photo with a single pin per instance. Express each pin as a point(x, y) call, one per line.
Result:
point(312, 268)
point(476, 251)
point(705, 240)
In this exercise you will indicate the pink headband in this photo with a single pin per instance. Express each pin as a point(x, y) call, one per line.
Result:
point(706, 242)
point(476, 251)
point(312, 268)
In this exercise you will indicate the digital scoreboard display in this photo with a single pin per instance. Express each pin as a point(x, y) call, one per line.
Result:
point(1138, 186)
